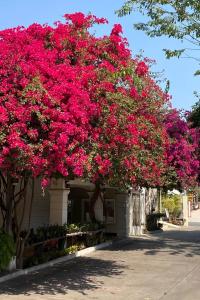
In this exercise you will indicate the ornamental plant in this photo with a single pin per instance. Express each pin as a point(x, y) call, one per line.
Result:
point(7, 249)
point(72, 104)
point(182, 152)
point(194, 122)
point(173, 204)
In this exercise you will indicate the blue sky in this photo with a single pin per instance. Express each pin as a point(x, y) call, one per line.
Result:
point(179, 72)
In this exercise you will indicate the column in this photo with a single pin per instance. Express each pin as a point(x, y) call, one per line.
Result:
point(58, 202)
point(185, 209)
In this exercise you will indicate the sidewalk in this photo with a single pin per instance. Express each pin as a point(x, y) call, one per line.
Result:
point(195, 216)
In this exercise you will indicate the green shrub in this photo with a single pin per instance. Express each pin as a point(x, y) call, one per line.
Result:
point(173, 204)
point(49, 242)
point(48, 232)
point(91, 226)
point(71, 249)
point(72, 228)
point(7, 249)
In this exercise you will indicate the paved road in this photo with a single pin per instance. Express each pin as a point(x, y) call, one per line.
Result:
point(162, 266)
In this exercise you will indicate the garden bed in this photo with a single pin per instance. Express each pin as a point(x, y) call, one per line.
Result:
point(4, 276)
point(51, 242)
point(54, 247)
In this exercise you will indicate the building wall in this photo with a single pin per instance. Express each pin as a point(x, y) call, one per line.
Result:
point(40, 208)
point(41, 204)
point(121, 224)
point(82, 193)
point(125, 207)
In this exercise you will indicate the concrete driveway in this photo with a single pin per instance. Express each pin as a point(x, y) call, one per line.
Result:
point(160, 266)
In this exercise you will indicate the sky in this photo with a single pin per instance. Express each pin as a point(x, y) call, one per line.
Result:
point(178, 71)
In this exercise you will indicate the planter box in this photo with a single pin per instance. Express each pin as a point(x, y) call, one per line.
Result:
point(12, 264)
point(62, 242)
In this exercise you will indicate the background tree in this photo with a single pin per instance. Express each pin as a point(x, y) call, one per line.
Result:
point(194, 116)
point(174, 19)
point(182, 153)
point(194, 121)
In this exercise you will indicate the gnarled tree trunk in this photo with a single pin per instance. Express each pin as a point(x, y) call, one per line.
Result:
point(13, 215)
point(96, 195)
point(9, 204)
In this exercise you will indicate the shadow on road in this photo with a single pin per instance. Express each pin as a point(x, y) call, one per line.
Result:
point(185, 242)
point(79, 275)
point(89, 273)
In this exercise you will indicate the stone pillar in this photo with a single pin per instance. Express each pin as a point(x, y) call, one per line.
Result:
point(122, 214)
point(142, 209)
point(137, 213)
point(185, 209)
point(58, 201)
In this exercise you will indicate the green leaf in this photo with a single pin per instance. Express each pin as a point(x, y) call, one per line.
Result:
point(173, 53)
point(197, 73)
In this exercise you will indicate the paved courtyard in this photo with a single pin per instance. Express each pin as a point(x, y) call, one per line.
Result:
point(162, 266)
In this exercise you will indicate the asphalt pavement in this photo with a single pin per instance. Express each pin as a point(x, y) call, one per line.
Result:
point(163, 265)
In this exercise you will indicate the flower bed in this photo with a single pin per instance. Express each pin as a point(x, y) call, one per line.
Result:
point(48, 245)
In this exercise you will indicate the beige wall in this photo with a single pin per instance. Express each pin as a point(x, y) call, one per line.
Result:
point(122, 224)
point(40, 209)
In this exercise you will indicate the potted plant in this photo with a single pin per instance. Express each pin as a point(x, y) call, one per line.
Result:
point(7, 252)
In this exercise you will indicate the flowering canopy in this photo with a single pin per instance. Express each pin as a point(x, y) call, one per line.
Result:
point(182, 161)
point(72, 104)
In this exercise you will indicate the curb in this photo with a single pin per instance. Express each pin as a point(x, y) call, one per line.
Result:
point(170, 225)
point(57, 261)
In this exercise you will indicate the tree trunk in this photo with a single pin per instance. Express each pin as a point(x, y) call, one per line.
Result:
point(9, 202)
point(20, 241)
point(3, 186)
point(20, 252)
point(93, 201)
point(9, 205)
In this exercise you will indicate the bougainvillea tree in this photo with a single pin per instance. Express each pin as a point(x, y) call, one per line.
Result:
point(194, 122)
point(72, 104)
point(182, 152)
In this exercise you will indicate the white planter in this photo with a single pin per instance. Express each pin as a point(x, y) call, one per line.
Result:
point(12, 264)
